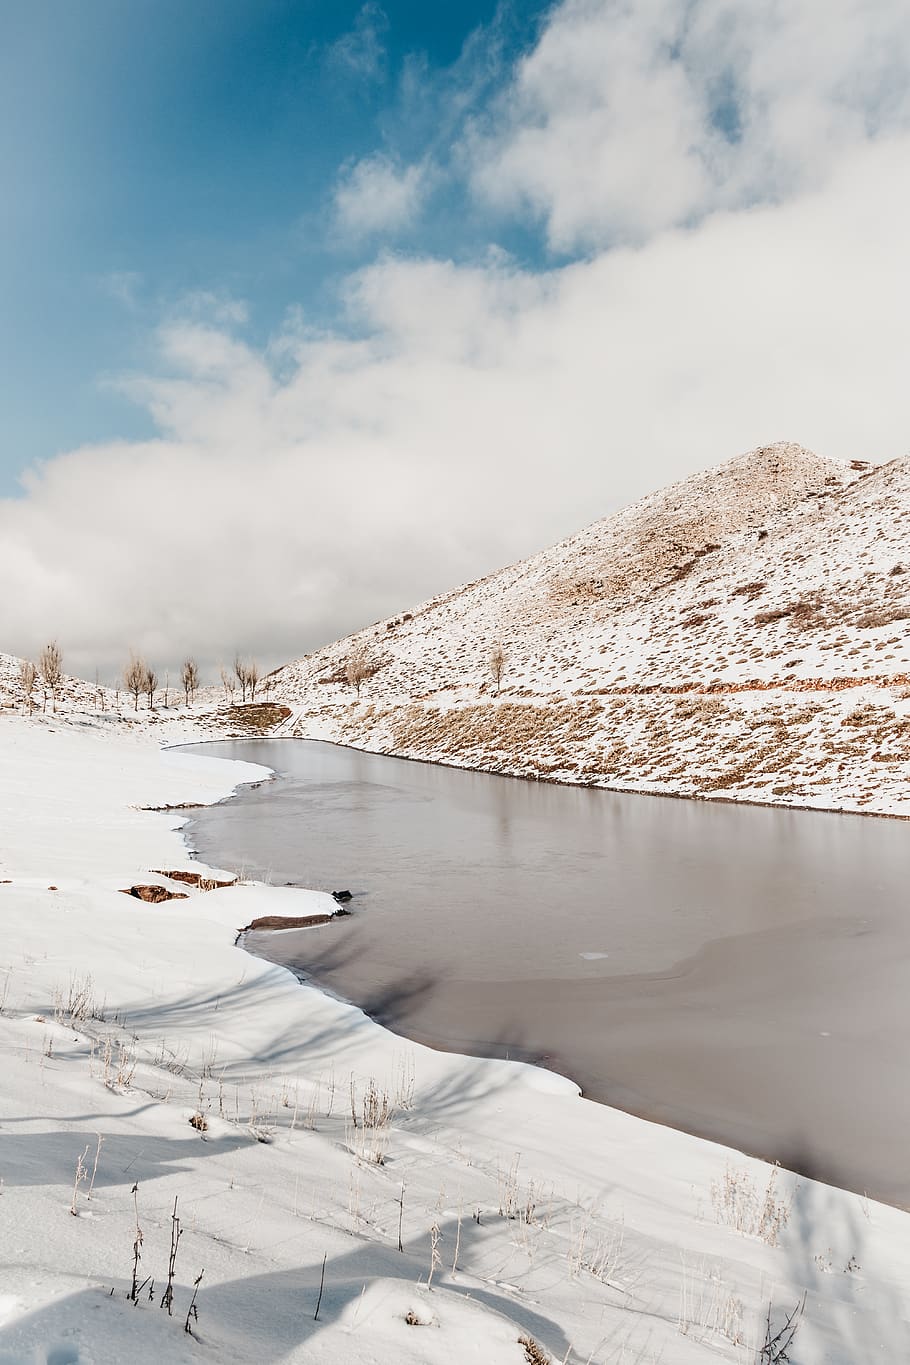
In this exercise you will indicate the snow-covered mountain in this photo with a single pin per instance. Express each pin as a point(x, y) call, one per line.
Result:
point(742, 633)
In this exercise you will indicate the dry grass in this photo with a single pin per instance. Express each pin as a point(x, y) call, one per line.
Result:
point(255, 718)
point(738, 1204)
point(534, 1352)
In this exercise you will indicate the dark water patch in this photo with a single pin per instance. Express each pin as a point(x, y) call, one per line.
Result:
point(738, 972)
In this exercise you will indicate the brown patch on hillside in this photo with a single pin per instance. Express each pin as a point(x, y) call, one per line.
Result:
point(255, 718)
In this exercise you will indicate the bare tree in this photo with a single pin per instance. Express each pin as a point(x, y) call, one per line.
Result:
point(240, 675)
point(228, 682)
point(358, 667)
point(149, 683)
point(28, 676)
point(497, 664)
point(134, 679)
point(190, 677)
point(247, 674)
point(50, 666)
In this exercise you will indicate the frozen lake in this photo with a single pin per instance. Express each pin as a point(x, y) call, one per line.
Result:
point(739, 972)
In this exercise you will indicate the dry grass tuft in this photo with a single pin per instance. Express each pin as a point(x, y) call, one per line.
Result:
point(534, 1352)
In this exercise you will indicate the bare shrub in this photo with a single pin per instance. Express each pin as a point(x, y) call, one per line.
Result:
point(134, 678)
point(739, 1205)
point(81, 1176)
point(496, 663)
point(118, 1065)
point(534, 1352)
point(78, 1005)
point(50, 666)
point(775, 1349)
point(247, 674)
point(28, 677)
point(358, 668)
point(372, 1125)
point(240, 675)
point(189, 676)
point(149, 683)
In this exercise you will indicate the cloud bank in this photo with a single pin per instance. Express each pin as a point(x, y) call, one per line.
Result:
point(742, 280)
point(631, 116)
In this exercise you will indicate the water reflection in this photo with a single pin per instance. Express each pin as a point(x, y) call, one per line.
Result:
point(739, 972)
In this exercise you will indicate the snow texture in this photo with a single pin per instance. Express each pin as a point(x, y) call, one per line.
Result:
point(742, 635)
point(148, 1059)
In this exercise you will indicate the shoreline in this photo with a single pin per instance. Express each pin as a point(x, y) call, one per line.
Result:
point(546, 780)
point(551, 1178)
point(647, 1103)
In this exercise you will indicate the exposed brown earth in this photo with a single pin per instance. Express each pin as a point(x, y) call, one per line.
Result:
point(194, 879)
point(154, 895)
point(287, 922)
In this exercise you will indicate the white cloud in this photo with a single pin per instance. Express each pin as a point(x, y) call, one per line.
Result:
point(630, 116)
point(362, 50)
point(480, 413)
point(376, 196)
point(462, 416)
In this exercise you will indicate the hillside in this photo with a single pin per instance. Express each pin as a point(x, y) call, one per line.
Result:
point(210, 715)
point(75, 693)
point(740, 634)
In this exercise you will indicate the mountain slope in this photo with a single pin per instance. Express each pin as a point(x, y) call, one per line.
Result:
point(72, 692)
point(742, 633)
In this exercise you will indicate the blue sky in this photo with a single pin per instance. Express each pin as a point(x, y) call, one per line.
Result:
point(154, 149)
point(309, 312)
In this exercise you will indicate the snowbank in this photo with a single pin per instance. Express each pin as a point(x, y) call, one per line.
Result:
point(142, 1048)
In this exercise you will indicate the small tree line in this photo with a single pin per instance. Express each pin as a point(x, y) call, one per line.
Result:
point(141, 680)
point(138, 678)
point(48, 672)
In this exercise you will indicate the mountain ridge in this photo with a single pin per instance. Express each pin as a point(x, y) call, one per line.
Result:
point(768, 592)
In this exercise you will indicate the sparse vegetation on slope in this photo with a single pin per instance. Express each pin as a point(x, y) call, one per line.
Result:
point(740, 634)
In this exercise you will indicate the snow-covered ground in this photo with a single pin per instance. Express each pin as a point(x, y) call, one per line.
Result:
point(740, 635)
point(148, 1060)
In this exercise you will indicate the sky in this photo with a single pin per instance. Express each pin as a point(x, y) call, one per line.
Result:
point(309, 311)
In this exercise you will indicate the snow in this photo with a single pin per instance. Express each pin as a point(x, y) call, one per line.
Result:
point(741, 635)
point(738, 636)
point(601, 1236)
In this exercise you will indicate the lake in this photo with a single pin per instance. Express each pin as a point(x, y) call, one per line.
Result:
point(735, 971)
